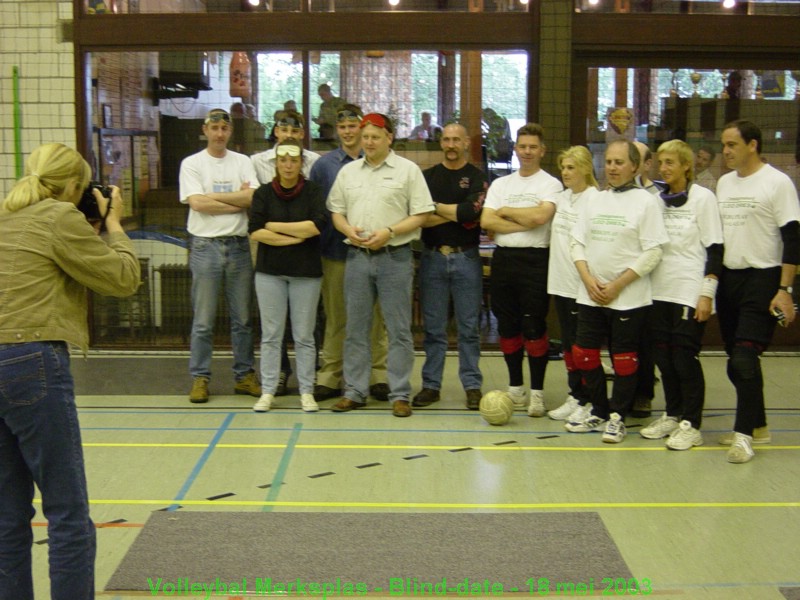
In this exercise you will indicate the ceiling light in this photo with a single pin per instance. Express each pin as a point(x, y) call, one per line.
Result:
point(728, 3)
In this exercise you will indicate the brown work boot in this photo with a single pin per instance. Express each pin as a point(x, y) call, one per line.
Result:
point(474, 399)
point(199, 393)
point(401, 408)
point(248, 385)
point(426, 397)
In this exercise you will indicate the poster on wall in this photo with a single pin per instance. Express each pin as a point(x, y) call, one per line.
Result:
point(620, 125)
point(773, 84)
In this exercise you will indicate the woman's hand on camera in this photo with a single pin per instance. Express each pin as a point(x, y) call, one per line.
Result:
point(111, 208)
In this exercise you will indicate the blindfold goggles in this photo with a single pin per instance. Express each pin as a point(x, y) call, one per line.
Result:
point(289, 121)
point(374, 119)
point(344, 115)
point(216, 117)
point(288, 150)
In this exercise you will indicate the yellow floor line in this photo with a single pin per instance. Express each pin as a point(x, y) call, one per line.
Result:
point(658, 448)
point(447, 505)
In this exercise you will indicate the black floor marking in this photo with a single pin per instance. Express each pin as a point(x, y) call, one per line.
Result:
point(168, 508)
point(366, 466)
point(325, 474)
point(269, 485)
point(460, 449)
point(220, 496)
point(504, 443)
point(115, 521)
point(547, 437)
point(41, 542)
point(412, 457)
point(634, 426)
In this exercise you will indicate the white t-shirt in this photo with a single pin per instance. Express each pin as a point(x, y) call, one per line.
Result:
point(516, 191)
point(615, 228)
point(202, 173)
point(264, 164)
point(692, 228)
point(753, 210)
point(562, 276)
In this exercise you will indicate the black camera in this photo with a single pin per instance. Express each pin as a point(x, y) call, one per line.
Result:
point(88, 204)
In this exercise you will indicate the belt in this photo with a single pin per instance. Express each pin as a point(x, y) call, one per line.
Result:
point(385, 249)
point(447, 250)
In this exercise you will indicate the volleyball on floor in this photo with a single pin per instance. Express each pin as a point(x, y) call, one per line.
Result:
point(496, 407)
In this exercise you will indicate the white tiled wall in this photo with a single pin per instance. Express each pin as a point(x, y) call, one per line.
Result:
point(29, 40)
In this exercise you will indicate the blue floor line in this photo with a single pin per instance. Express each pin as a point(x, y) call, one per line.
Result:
point(202, 461)
point(283, 466)
point(493, 431)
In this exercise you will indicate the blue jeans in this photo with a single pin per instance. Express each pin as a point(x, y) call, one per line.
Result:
point(386, 276)
point(40, 443)
point(441, 277)
point(218, 262)
point(301, 296)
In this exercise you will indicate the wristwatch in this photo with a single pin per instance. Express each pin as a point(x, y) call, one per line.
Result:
point(392, 234)
point(786, 288)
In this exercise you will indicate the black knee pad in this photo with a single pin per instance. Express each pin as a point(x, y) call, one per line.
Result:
point(744, 363)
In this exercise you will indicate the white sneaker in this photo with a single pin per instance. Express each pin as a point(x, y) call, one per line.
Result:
point(581, 413)
point(518, 396)
point(264, 403)
point(741, 450)
point(660, 428)
point(536, 407)
point(565, 410)
point(684, 437)
point(615, 430)
point(590, 423)
point(308, 403)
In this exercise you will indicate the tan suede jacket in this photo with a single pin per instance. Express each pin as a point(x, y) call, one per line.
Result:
point(49, 256)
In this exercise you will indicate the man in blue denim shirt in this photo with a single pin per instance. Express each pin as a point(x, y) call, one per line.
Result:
point(218, 186)
point(334, 254)
point(451, 267)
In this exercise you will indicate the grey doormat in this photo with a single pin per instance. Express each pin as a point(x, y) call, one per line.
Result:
point(374, 550)
point(790, 593)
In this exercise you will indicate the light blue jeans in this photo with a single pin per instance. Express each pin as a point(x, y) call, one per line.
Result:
point(300, 295)
point(385, 276)
point(218, 262)
point(40, 443)
point(458, 276)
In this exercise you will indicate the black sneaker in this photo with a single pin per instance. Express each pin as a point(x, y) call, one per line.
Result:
point(379, 391)
point(323, 392)
point(426, 397)
point(474, 399)
point(642, 408)
point(281, 389)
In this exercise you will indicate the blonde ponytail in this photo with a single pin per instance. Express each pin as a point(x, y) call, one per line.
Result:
point(48, 171)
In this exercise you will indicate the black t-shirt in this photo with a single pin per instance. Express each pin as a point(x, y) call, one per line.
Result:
point(466, 187)
point(299, 260)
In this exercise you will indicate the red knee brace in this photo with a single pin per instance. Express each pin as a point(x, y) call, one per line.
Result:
point(586, 359)
point(511, 345)
point(569, 361)
point(625, 363)
point(537, 347)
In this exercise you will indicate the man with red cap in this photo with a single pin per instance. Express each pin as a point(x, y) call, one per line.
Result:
point(379, 202)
